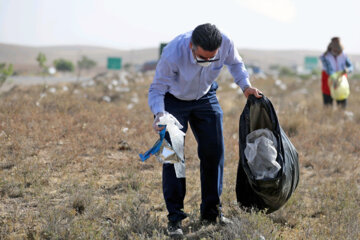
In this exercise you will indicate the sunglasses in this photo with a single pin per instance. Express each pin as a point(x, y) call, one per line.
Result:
point(201, 59)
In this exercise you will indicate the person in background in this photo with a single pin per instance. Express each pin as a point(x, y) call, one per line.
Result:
point(184, 86)
point(333, 60)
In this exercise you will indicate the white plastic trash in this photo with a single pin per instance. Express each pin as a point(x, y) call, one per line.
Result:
point(260, 152)
point(177, 136)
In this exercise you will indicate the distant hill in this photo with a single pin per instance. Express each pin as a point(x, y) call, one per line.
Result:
point(24, 57)
point(289, 58)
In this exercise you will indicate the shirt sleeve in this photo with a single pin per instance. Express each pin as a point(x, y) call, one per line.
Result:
point(237, 67)
point(165, 73)
point(326, 64)
point(349, 65)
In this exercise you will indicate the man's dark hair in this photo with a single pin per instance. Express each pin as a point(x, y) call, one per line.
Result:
point(207, 36)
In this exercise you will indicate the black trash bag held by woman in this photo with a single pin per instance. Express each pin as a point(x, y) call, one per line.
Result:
point(269, 193)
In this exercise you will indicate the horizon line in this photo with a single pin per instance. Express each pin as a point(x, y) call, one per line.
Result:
point(146, 48)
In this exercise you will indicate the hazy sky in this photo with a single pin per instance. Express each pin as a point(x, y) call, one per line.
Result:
point(133, 24)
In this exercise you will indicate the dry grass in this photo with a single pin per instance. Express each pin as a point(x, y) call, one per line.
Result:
point(69, 166)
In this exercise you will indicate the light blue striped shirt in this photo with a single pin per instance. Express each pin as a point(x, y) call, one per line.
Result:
point(333, 64)
point(178, 73)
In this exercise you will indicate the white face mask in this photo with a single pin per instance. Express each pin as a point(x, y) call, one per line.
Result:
point(204, 64)
point(201, 61)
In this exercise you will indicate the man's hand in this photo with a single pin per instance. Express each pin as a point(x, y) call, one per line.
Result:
point(156, 120)
point(254, 91)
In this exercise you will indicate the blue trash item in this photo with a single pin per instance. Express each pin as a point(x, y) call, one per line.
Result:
point(169, 149)
point(156, 148)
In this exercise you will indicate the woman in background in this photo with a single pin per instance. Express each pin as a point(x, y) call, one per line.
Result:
point(334, 60)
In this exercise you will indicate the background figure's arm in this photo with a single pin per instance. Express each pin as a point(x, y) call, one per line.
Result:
point(327, 66)
point(348, 65)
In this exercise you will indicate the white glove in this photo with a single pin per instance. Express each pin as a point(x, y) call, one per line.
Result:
point(156, 120)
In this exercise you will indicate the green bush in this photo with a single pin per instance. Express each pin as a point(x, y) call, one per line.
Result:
point(86, 63)
point(5, 72)
point(285, 71)
point(63, 65)
point(41, 59)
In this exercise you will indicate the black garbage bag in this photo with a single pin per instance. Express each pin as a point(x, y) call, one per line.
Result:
point(268, 193)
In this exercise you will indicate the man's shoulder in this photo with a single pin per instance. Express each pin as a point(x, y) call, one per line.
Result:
point(225, 38)
point(177, 47)
point(225, 35)
point(179, 41)
point(226, 42)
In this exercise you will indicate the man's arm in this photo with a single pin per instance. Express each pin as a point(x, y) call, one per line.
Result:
point(164, 74)
point(238, 71)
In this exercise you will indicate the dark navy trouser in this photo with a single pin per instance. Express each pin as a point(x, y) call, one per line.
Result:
point(328, 101)
point(205, 118)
